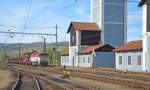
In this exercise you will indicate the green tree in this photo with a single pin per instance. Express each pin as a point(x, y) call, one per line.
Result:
point(54, 56)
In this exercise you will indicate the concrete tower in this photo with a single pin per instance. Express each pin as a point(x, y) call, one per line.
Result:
point(111, 16)
point(146, 34)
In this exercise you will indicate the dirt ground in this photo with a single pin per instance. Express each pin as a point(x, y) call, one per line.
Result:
point(101, 85)
point(5, 78)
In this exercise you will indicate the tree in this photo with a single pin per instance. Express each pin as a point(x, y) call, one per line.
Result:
point(50, 54)
point(65, 50)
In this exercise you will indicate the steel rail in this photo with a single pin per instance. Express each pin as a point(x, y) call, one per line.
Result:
point(37, 83)
point(15, 86)
point(54, 83)
point(58, 81)
point(17, 82)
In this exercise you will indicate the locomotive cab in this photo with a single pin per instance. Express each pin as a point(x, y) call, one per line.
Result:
point(44, 59)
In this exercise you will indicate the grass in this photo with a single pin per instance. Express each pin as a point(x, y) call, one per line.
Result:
point(5, 78)
point(1, 64)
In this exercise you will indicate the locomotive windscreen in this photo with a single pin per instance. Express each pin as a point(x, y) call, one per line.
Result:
point(44, 55)
point(44, 59)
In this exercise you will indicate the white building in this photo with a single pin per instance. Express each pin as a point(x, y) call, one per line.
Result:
point(65, 60)
point(81, 35)
point(111, 16)
point(93, 56)
point(129, 56)
point(97, 56)
point(146, 34)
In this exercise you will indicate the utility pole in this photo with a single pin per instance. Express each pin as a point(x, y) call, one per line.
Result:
point(44, 48)
point(19, 51)
point(5, 54)
point(44, 44)
point(41, 34)
point(56, 35)
point(56, 45)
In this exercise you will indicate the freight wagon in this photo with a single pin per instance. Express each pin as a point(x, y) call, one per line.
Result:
point(32, 58)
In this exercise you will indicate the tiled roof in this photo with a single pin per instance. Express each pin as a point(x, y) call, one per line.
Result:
point(65, 54)
point(130, 46)
point(90, 49)
point(97, 48)
point(84, 26)
point(142, 2)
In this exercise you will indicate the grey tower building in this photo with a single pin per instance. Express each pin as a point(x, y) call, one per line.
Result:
point(111, 16)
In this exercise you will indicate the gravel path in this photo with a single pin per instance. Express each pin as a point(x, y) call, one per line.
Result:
point(27, 83)
point(6, 78)
point(101, 85)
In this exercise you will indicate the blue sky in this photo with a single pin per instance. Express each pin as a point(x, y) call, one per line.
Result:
point(48, 13)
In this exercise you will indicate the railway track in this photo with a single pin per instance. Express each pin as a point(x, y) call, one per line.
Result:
point(143, 77)
point(26, 81)
point(127, 82)
point(139, 81)
point(71, 85)
point(133, 76)
point(34, 82)
point(63, 83)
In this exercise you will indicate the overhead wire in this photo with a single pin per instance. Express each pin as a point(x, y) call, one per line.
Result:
point(60, 14)
point(27, 27)
point(61, 11)
point(41, 12)
point(28, 9)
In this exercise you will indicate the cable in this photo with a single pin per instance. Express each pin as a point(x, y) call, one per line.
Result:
point(28, 11)
point(41, 12)
point(27, 14)
point(38, 15)
point(61, 11)
point(14, 26)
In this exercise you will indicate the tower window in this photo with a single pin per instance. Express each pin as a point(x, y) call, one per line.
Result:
point(73, 39)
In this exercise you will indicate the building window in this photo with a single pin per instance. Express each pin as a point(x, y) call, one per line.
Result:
point(129, 60)
point(120, 60)
point(88, 59)
point(139, 60)
point(83, 59)
point(79, 59)
point(64, 60)
point(72, 38)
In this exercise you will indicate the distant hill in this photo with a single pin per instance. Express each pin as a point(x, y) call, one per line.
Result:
point(13, 47)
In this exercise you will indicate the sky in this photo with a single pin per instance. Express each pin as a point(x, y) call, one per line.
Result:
point(40, 16)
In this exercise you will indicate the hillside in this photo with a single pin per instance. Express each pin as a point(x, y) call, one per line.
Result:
point(13, 48)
